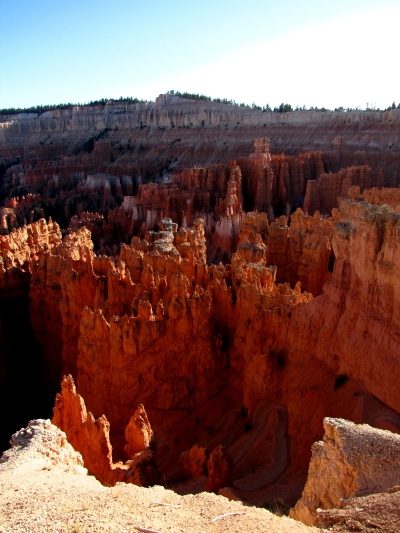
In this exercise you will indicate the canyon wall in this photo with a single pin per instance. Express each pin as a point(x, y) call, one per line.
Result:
point(85, 190)
point(222, 355)
point(23, 389)
point(322, 193)
point(148, 141)
point(170, 111)
point(355, 322)
point(158, 304)
point(236, 318)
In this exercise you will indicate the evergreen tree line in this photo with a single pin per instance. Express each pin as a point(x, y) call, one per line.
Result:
point(42, 108)
point(282, 108)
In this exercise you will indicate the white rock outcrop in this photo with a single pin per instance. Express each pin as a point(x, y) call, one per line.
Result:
point(352, 460)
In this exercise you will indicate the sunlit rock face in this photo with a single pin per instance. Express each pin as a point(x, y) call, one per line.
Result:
point(352, 460)
point(223, 349)
point(236, 297)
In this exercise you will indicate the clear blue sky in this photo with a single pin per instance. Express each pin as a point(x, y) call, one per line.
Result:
point(310, 52)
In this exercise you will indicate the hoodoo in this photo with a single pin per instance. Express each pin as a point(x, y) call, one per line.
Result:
point(206, 308)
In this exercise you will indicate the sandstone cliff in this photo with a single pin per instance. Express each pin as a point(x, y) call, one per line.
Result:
point(90, 437)
point(90, 158)
point(322, 194)
point(207, 131)
point(22, 382)
point(156, 325)
point(301, 252)
point(148, 306)
point(351, 461)
point(375, 196)
point(353, 326)
point(136, 305)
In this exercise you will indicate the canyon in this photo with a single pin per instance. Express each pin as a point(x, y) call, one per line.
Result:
point(211, 294)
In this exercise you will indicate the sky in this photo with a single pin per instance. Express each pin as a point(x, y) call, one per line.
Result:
point(312, 53)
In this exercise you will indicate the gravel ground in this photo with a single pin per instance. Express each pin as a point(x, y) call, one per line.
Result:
point(44, 488)
point(367, 514)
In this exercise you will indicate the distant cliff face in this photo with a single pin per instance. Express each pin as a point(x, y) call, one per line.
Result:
point(65, 163)
point(174, 112)
point(172, 132)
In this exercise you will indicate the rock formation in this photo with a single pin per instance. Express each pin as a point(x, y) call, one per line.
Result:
point(49, 443)
point(194, 461)
point(220, 468)
point(91, 438)
point(351, 461)
point(356, 319)
point(25, 245)
point(156, 325)
point(237, 319)
point(99, 171)
point(138, 433)
point(152, 137)
point(149, 305)
point(379, 512)
point(322, 194)
point(302, 252)
point(376, 196)
point(88, 436)
point(22, 381)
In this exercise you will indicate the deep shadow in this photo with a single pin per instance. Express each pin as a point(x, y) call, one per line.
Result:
point(23, 395)
point(340, 381)
point(331, 263)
